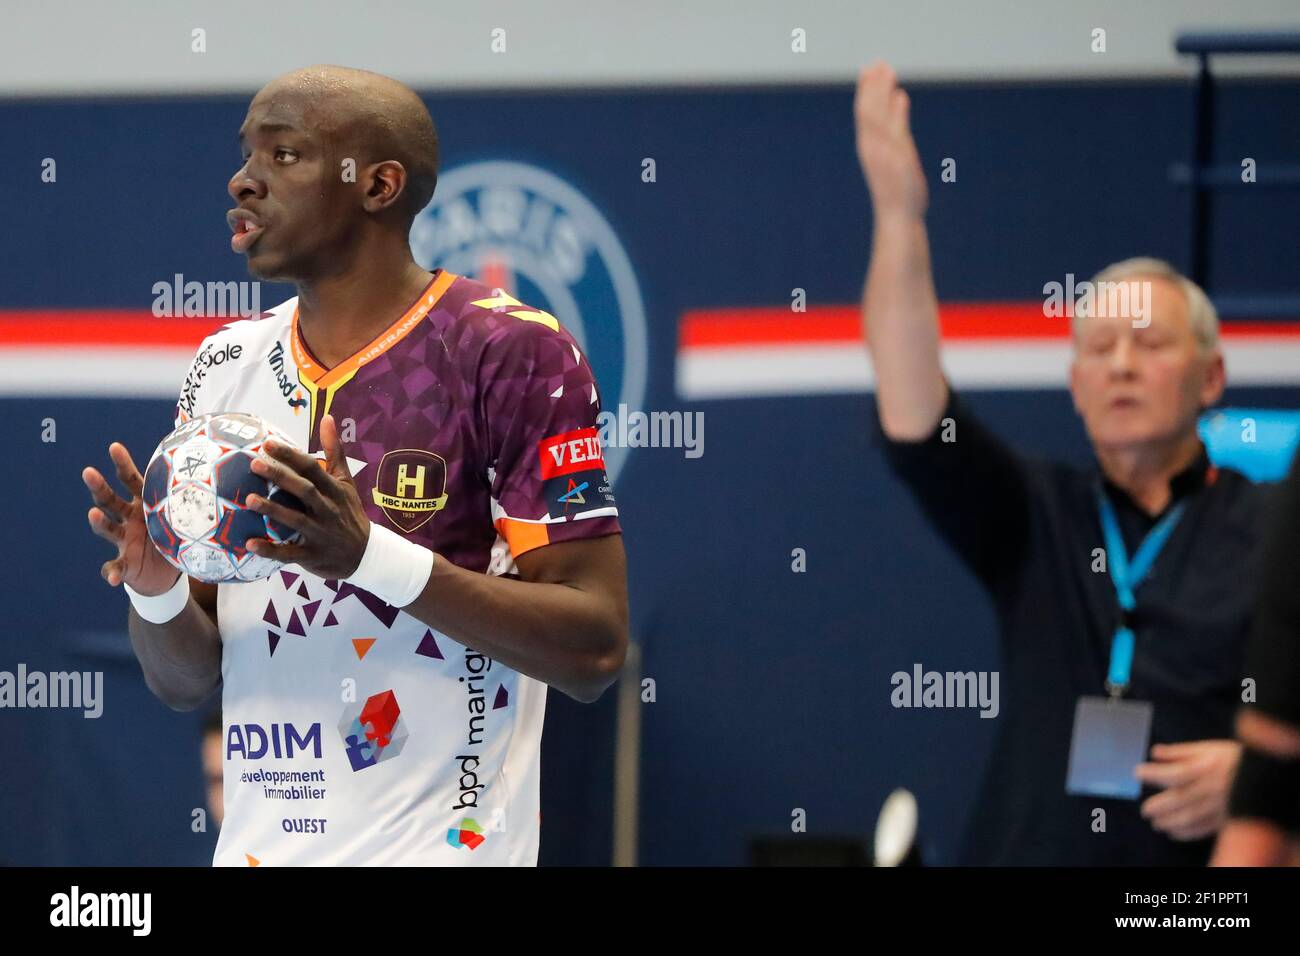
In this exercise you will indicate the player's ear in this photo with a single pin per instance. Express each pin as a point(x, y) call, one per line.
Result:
point(385, 183)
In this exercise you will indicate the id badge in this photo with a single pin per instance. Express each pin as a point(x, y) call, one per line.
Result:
point(1110, 739)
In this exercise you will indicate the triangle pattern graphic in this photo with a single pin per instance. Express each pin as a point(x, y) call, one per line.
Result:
point(429, 647)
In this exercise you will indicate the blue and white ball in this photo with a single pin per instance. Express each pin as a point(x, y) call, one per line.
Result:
point(195, 493)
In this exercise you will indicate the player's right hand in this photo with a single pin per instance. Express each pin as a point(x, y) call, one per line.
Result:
point(121, 522)
point(886, 149)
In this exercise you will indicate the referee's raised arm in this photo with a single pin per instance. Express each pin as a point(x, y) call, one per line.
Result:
point(899, 308)
point(972, 491)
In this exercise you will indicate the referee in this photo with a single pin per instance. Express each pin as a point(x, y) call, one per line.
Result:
point(1123, 592)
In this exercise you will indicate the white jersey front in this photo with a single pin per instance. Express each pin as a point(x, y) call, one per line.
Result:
point(354, 733)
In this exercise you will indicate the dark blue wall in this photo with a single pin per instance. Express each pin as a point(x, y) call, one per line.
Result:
point(772, 687)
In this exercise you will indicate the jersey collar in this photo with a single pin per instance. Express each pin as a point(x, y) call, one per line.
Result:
point(317, 375)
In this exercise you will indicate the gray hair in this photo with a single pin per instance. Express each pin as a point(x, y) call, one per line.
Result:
point(1202, 315)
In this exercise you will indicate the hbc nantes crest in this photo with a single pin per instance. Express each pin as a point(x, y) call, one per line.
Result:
point(411, 487)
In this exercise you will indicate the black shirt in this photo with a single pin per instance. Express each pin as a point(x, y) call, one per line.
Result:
point(1273, 650)
point(1268, 786)
point(1029, 530)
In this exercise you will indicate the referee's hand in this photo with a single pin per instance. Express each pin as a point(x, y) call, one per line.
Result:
point(886, 149)
point(1195, 778)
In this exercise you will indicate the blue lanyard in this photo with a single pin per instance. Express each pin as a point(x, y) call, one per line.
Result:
point(1127, 577)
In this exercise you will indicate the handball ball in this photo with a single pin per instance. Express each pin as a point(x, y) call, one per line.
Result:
point(195, 498)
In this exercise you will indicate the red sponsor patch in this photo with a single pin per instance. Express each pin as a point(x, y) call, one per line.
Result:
point(573, 451)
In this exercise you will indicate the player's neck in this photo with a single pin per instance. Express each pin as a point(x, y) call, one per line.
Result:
point(340, 314)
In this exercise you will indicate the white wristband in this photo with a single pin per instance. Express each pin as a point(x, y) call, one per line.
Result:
point(164, 607)
point(392, 568)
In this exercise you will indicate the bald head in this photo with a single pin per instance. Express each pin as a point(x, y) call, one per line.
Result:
point(367, 116)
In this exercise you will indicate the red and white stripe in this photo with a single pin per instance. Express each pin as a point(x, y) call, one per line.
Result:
point(767, 352)
point(110, 352)
point(722, 353)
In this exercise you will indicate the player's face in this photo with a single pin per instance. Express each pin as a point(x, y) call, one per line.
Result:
point(292, 218)
point(1136, 381)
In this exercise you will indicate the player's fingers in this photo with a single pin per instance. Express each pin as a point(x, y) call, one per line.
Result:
point(300, 463)
point(102, 494)
point(291, 480)
point(335, 459)
point(298, 520)
point(105, 527)
point(295, 458)
point(112, 571)
point(329, 443)
point(284, 553)
point(127, 473)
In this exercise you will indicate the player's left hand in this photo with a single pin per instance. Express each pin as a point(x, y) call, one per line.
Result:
point(334, 525)
point(1196, 778)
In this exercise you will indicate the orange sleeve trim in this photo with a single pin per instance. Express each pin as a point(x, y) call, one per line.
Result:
point(523, 536)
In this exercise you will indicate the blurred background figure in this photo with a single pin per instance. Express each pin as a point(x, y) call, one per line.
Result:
point(212, 748)
point(1265, 805)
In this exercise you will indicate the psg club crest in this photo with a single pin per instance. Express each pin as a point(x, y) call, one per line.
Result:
point(410, 487)
point(522, 229)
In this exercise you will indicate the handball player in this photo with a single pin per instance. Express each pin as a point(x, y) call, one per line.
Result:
point(383, 692)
